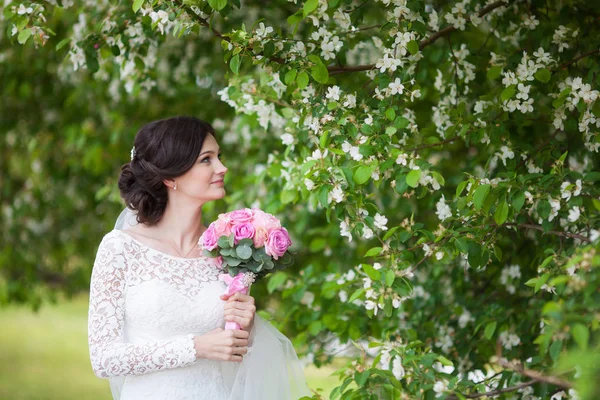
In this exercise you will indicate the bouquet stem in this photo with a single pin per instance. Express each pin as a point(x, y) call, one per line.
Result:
point(239, 284)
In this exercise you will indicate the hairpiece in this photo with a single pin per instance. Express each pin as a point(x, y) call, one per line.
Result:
point(133, 153)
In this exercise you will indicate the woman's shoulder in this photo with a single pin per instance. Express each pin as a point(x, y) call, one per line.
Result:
point(113, 240)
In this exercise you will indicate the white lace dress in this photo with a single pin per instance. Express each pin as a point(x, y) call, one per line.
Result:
point(145, 307)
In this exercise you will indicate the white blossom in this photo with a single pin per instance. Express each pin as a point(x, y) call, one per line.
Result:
point(350, 101)
point(287, 139)
point(509, 340)
point(531, 22)
point(440, 387)
point(574, 214)
point(333, 93)
point(345, 230)
point(263, 31)
point(310, 185)
point(380, 222)
point(396, 87)
point(367, 232)
point(397, 368)
point(443, 211)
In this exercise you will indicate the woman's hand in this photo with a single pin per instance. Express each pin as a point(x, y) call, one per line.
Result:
point(222, 345)
point(240, 308)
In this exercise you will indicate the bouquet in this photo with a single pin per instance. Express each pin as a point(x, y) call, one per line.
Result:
point(250, 244)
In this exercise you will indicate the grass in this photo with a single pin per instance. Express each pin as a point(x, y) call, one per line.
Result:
point(45, 356)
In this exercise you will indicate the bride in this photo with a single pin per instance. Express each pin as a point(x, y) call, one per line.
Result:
point(156, 312)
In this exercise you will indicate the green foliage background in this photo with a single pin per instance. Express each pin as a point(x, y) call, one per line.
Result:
point(79, 80)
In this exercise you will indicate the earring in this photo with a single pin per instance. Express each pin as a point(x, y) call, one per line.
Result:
point(175, 187)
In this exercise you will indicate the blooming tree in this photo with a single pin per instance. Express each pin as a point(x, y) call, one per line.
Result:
point(437, 162)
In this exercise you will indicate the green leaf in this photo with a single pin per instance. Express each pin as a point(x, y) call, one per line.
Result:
point(275, 281)
point(494, 73)
point(62, 43)
point(290, 76)
point(319, 73)
point(24, 35)
point(217, 4)
point(356, 295)
point(518, 200)
point(490, 328)
point(445, 362)
point(223, 242)
point(361, 377)
point(373, 252)
point(302, 80)
point(508, 93)
point(555, 349)
point(310, 6)
point(371, 272)
point(501, 213)
point(390, 114)
point(543, 75)
point(413, 47)
point(459, 189)
point(235, 63)
point(390, 277)
point(243, 252)
point(581, 335)
point(479, 196)
point(288, 196)
point(362, 174)
point(137, 4)
point(413, 177)
point(540, 282)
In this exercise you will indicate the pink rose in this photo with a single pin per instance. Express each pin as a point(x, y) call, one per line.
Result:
point(265, 220)
point(273, 223)
point(210, 238)
point(260, 219)
point(243, 231)
point(222, 227)
point(277, 243)
point(241, 216)
point(260, 237)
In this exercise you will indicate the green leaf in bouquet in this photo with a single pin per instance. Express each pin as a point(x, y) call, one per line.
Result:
point(232, 261)
point(269, 264)
point(244, 252)
point(228, 252)
point(233, 271)
point(246, 242)
point(231, 240)
point(286, 259)
point(212, 253)
point(223, 242)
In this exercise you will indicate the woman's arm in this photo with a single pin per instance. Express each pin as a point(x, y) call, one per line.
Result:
point(109, 354)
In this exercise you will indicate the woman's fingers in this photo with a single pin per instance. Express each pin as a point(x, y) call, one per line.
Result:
point(244, 298)
point(244, 322)
point(240, 306)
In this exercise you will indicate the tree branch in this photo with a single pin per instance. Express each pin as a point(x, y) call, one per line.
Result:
point(535, 375)
point(494, 392)
point(557, 233)
point(565, 65)
point(423, 43)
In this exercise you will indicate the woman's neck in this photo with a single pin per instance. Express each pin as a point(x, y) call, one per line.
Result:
point(181, 223)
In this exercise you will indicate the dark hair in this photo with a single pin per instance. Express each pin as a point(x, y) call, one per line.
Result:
point(163, 149)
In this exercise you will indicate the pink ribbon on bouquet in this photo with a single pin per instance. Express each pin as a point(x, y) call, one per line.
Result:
point(238, 284)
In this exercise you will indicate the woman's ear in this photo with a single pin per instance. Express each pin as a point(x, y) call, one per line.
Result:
point(170, 183)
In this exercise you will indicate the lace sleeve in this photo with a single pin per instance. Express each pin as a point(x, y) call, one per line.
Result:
point(109, 354)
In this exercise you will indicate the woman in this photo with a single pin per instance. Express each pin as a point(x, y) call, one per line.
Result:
point(156, 310)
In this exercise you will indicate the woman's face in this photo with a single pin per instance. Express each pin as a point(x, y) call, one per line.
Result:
point(204, 181)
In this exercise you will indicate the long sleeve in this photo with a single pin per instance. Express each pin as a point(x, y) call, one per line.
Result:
point(109, 354)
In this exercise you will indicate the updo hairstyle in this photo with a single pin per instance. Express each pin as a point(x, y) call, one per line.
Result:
point(163, 149)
